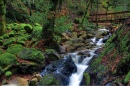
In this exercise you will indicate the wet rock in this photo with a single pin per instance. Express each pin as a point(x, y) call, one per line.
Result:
point(80, 48)
point(98, 51)
point(69, 67)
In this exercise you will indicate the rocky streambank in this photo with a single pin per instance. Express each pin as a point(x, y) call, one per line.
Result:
point(25, 58)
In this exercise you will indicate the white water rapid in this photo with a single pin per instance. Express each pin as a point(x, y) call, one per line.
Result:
point(76, 78)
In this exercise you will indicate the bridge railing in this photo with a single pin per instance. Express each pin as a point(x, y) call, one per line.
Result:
point(116, 16)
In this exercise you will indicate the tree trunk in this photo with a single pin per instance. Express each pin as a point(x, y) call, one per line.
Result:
point(2, 17)
point(85, 14)
point(48, 27)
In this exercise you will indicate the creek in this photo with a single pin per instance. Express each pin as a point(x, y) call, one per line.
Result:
point(79, 63)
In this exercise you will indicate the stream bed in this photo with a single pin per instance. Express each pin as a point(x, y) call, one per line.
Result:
point(70, 69)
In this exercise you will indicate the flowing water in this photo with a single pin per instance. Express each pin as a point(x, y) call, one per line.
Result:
point(76, 78)
point(79, 62)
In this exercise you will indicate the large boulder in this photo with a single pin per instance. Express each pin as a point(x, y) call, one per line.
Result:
point(62, 69)
point(52, 54)
point(69, 67)
point(31, 54)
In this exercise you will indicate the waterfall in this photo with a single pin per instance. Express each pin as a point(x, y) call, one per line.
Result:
point(76, 78)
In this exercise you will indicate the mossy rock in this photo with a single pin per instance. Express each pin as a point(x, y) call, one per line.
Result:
point(15, 49)
point(32, 54)
point(5, 36)
point(52, 54)
point(7, 59)
point(28, 28)
point(48, 80)
point(8, 74)
point(127, 78)
point(9, 41)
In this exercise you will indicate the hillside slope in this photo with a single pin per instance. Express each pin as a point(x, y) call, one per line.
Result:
point(113, 64)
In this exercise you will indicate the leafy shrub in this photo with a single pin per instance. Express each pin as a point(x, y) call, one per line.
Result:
point(62, 24)
point(127, 78)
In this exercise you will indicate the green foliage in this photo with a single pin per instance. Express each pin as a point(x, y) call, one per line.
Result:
point(41, 13)
point(57, 39)
point(32, 54)
point(37, 32)
point(9, 41)
point(87, 78)
point(15, 49)
point(127, 78)
point(62, 24)
point(28, 28)
point(1, 70)
point(49, 79)
point(5, 36)
point(7, 59)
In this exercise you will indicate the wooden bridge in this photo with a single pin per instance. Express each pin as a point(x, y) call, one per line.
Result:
point(115, 17)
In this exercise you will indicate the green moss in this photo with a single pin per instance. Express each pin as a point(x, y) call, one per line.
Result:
point(5, 36)
point(37, 32)
point(7, 59)
point(28, 28)
point(9, 41)
point(21, 42)
point(8, 74)
point(48, 80)
point(32, 55)
point(87, 78)
point(15, 49)
point(127, 78)
point(11, 34)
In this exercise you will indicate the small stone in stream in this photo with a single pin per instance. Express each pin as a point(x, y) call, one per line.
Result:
point(80, 53)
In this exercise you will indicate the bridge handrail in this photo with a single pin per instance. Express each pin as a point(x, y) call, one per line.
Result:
point(109, 13)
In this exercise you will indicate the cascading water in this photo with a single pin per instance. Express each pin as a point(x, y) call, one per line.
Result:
point(70, 69)
point(76, 78)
